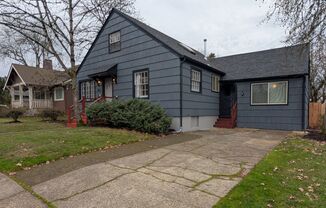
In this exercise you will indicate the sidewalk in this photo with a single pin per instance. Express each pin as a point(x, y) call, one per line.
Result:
point(13, 196)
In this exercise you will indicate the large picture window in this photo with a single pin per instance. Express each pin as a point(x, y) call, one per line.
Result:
point(115, 41)
point(269, 93)
point(141, 84)
point(195, 80)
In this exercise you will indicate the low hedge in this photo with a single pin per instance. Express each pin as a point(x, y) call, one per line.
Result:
point(4, 112)
point(15, 114)
point(139, 115)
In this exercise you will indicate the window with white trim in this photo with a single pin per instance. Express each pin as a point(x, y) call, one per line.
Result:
point(269, 93)
point(115, 41)
point(58, 94)
point(141, 84)
point(88, 90)
point(195, 80)
point(215, 83)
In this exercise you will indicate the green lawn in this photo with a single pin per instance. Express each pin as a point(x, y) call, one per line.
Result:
point(293, 175)
point(34, 141)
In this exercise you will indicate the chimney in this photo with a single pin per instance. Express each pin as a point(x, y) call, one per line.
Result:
point(47, 64)
point(205, 47)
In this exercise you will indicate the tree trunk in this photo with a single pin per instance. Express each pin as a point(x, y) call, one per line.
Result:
point(73, 61)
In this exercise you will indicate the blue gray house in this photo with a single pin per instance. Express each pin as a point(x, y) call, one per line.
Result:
point(266, 89)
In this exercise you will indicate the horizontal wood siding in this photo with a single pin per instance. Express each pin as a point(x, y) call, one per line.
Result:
point(282, 117)
point(205, 103)
point(138, 51)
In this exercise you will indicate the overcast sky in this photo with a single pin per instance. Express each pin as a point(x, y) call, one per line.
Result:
point(231, 26)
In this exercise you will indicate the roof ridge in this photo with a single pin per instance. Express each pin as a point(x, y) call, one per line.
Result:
point(265, 50)
point(38, 68)
point(140, 22)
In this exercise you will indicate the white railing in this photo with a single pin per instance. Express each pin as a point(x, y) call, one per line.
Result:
point(42, 104)
point(16, 104)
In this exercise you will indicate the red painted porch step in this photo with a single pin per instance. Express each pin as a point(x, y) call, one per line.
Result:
point(224, 123)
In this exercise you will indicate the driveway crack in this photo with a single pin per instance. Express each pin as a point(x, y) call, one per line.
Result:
point(93, 188)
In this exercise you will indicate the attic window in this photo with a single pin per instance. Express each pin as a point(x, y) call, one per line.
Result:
point(115, 42)
point(188, 48)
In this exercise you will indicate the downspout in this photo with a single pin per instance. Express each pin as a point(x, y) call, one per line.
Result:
point(182, 60)
point(304, 103)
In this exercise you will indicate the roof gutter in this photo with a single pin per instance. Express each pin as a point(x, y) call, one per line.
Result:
point(203, 65)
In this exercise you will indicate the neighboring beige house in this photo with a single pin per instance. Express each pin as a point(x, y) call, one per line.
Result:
point(39, 88)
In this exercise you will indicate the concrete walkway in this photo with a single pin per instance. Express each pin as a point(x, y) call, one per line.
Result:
point(13, 196)
point(195, 173)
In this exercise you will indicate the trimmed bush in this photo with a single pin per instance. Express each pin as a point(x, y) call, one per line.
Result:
point(15, 114)
point(50, 114)
point(139, 115)
point(4, 112)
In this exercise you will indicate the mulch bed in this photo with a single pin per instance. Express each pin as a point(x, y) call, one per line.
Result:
point(315, 135)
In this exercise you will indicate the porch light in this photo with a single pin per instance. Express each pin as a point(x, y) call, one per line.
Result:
point(114, 81)
point(98, 81)
point(274, 86)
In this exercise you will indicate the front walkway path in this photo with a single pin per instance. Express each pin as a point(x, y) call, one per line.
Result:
point(195, 173)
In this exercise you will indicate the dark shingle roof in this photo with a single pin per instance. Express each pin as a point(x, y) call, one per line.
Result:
point(41, 77)
point(287, 61)
point(173, 44)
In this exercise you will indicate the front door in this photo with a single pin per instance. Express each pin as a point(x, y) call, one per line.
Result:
point(227, 98)
point(108, 88)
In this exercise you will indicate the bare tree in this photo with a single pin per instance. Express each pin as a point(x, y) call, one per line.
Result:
point(65, 26)
point(305, 21)
point(18, 48)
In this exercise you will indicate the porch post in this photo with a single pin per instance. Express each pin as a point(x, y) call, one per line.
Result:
point(30, 94)
point(21, 95)
point(12, 94)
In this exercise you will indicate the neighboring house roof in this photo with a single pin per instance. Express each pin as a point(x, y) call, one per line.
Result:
point(177, 47)
point(38, 76)
point(287, 61)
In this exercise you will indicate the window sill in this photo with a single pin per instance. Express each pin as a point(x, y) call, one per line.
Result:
point(284, 104)
point(58, 100)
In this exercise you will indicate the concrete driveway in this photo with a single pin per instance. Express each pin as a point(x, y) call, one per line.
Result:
point(196, 173)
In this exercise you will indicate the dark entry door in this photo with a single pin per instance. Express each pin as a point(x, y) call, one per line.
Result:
point(227, 97)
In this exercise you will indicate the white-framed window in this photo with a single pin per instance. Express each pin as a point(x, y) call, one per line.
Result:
point(88, 90)
point(58, 94)
point(195, 80)
point(215, 83)
point(115, 41)
point(269, 93)
point(141, 84)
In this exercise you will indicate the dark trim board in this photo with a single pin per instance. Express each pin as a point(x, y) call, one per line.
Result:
point(109, 45)
point(265, 78)
point(201, 79)
point(214, 74)
point(266, 81)
point(133, 83)
point(182, 61)
point(193, 62)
